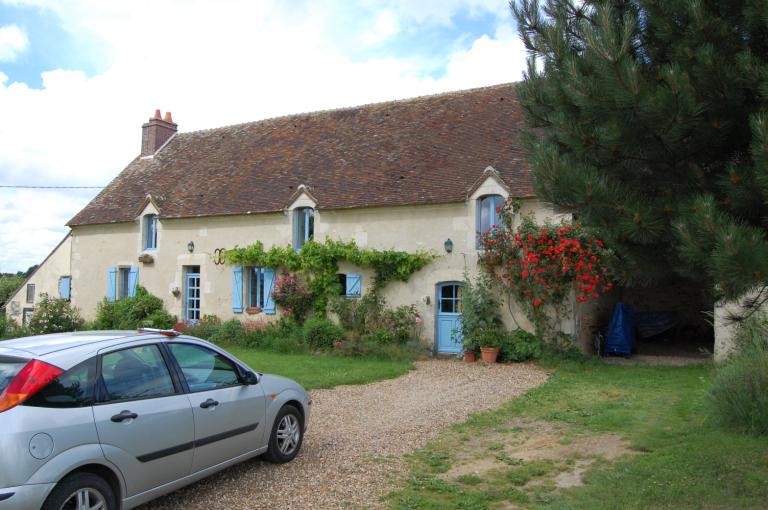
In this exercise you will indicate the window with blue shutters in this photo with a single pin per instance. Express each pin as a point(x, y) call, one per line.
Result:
point(122, 282)
point(350, 284)
point(150, 232)
point(488, 217)
point(261, 282)
point(303, 226)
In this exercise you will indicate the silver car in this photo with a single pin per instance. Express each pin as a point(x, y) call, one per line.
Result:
point(112, 419)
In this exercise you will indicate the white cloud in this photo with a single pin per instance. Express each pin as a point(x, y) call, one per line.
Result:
point(13, 41)
point(211, 65)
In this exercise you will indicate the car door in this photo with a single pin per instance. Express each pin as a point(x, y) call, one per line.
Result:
point(229, 415)
point(144, 421)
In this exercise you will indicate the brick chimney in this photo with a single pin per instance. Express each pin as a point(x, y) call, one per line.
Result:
point(156, 132)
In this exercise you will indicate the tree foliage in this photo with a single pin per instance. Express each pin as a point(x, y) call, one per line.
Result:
point(649, 121)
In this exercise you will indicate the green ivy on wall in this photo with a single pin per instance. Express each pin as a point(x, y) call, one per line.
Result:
point(319, 263)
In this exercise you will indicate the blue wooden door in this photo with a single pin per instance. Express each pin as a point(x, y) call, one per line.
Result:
point(192, 298)
point(449, 318)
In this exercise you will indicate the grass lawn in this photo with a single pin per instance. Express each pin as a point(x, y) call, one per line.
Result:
point(321, 371)
point(672, 457)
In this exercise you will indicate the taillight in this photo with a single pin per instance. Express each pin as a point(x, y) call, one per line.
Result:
point(34, 376)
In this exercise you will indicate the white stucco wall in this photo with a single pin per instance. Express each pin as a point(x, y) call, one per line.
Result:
point(45, 279)
point(408, 228)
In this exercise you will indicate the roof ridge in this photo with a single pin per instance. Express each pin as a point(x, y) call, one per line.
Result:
point(313, 113)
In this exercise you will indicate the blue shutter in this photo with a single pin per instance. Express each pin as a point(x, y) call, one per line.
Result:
point(479, 223)
point(111, 283)
point(353, 285)
point(269, 284)
point(133, 280)
point(237, 289)
point(64, 284)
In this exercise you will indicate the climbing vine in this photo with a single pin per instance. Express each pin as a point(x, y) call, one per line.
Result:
point(318, 262)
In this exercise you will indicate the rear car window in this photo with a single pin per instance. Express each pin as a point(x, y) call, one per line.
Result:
point(9, 367)
point(73, 388)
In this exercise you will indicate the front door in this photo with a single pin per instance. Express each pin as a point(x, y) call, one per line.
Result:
point(192, 296)
point(449, 318)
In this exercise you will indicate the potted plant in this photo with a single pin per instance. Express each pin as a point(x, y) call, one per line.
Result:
point(470, 348)
point(489, 344)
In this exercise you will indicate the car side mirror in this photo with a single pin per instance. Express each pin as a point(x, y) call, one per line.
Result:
point(250, 378)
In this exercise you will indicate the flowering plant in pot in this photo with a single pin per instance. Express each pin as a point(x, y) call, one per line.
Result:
point(490, 341)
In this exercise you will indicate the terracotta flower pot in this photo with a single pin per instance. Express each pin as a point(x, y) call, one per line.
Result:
point(470, 357)
point(489, 354)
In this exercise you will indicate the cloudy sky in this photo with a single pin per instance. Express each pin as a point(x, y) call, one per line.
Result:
point(79, 77)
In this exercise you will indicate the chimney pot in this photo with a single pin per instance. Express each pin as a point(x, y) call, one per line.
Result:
point(156, 132)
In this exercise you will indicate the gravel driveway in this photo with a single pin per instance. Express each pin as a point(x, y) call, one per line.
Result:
point(353, 450)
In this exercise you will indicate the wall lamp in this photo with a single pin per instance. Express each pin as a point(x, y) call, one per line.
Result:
point(448, 244)
point(191, 246)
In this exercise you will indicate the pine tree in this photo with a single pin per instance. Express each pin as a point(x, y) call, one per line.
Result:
point(649, 120)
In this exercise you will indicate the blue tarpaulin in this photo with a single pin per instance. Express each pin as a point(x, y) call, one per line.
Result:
point(621, 331)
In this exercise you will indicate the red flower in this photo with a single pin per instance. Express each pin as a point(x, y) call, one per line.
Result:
point(536, 303)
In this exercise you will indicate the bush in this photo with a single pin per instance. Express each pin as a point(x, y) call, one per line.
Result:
point(519, 345)
point(739, 394)
point(292, 296)
point(205, 328)
point(321, 333)
point(481, 317)
point(370, 317)
point(381, 336)
point(54, 316)
point(231, 332)
point(140, 311)
point(364, 348)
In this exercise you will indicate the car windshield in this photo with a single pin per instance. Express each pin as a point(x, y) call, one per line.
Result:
point(9, 367)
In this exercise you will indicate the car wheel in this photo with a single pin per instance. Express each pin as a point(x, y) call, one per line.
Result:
point(81, 491)
point(287, 435)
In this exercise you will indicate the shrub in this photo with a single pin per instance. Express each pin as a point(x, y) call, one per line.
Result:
point(739, 394)
point(54, 316)
point(321, 333)
point(362, 348)
point(519, 345)
point(292, 296)
point(141, 310)
point(369, 316)
point(402, 323)
point(481, 314)
point(230, 332)
point(205, 328)
point(381, 336)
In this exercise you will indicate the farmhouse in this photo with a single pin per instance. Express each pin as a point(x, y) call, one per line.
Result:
point(417, 174)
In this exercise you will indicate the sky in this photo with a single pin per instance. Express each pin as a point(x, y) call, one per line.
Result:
point(79, 77)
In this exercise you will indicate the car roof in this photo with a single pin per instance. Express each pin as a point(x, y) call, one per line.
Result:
point(41, 345)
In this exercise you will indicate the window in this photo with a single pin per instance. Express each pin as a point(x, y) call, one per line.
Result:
point(351, 284)
point(450, 299)
point(122, 282)
point(203, 368)
point(256, 288)
point(150, 232)
point(303, 226)
point(65, 285)
point(487, 214)
point(26, 315)
point(73, 388)
point(134, 373)
point(30, 293)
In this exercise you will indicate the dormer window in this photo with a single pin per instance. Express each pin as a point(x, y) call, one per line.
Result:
point(488, 208)
point(303, 226)
point(150, 232)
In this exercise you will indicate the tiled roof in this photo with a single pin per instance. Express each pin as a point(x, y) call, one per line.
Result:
point(417, 151)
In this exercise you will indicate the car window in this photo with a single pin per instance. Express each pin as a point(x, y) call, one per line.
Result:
point(73, 388)
point(203, 368)
point(9, 367)
point(139, 372)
